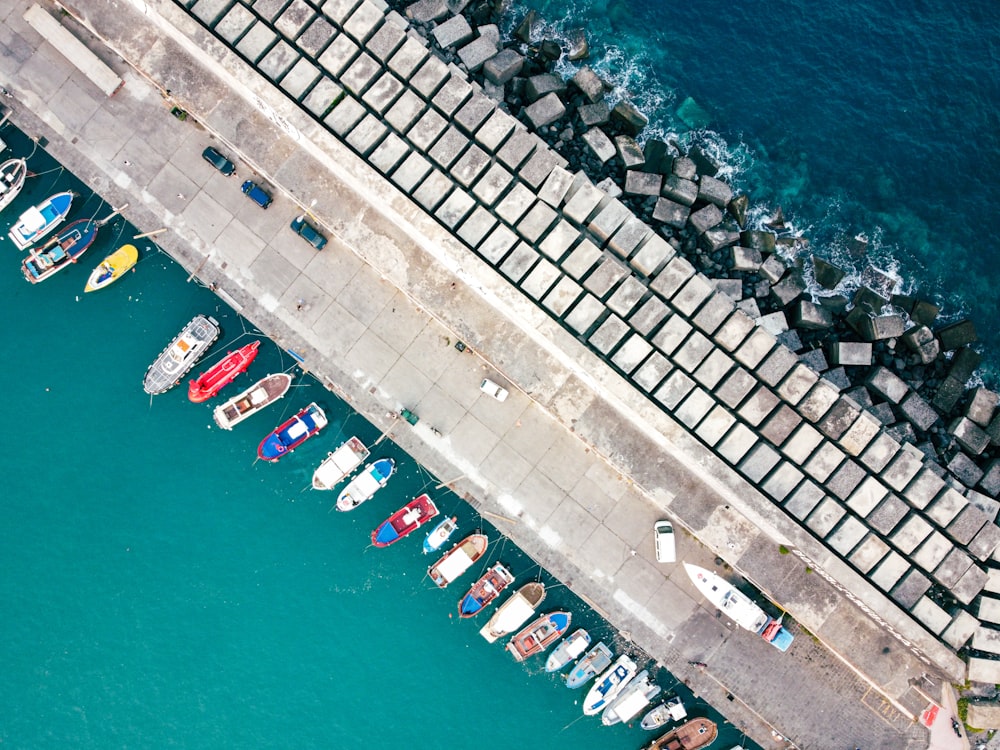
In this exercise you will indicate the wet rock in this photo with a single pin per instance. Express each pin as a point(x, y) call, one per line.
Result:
point(948, 392)
point(589, 84)
point(789, 288)
point(693, 114)
point(579, 49)
point(546, 110)
point(600, 145)
point(759, 240)
point(523, 31)
point(629, 152)
point(924, 312)
point(827, 275)
point(981, 406)
point(714, 191)
point(858, 247)
point(887, 327)
point(541, 85)
point(922, 342)
point(549, 51)
point(704, 161)
point(811, 316)
point(715, 239)
point(453, 33)
point(503, 66)
point(773, 269)
point(745, 259)
point(594, 114)
point(671, 213)
point(738, 208)
point(679, 190)
point(869, 301)
point(705, 218)
point(659, 156)
point(644, 183)
point(964, 363)
point(836, 303)
point(776, 220)
point(879, 282)
point(957, 334)
point(628, 118)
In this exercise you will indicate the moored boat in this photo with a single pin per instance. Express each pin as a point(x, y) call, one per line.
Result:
point(181, 354)
point(289, 435)
point(404, 521)
point(485, 590)
point(593, 663)
point(222, 373)
point(263, 393)
point(458, 559)
point(12, 174)
point(61, 251)
point(35, 223)
point(112, 268)
point(669, 711)
point(371, 479)
point(739, 607)
point(514, 612)
point(440, 534)
point(539, 635)
point(631, 700)
point(608, 685)
point(568, 650)
point(339, 463)
point(694, 734)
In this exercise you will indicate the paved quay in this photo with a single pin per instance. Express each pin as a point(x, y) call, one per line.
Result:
point(575, 457)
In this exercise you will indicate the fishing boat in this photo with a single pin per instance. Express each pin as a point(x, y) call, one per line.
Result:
point(35, 223)
point(539, 635)
point(181, 354)
point(112, 268)
point(568, 650)
point(609, 685)
point(630, 701)
point(514, 612)
point(670, 710)
point(593, 663)
point(694, 734)
point(222, 373)
point(12, 174)
point(371, 479)
point(440, 534)
point(289, 435)
point(485, 590)
point(458, 559)
point(61, 251)
point(263, 393)
point(739, 607)
point(404, 521)
point(339, 463)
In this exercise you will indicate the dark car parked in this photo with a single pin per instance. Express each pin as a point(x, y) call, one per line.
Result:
point(219, 161)
point(256, 193)
point(305, 230)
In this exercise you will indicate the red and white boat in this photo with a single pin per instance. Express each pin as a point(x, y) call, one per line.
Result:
point(222, 373)
point(485, 590)
point(539, 635)
point(404, 521)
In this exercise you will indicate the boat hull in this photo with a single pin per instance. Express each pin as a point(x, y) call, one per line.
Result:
point(482, 593)
point(458, 559)
point(181, 354)
point(364, 486)
point(514, 612)
point(609, 685)
point(261, 394)
point(12, 174)
point(112, 268)
point(589, 666)
point(539, 635)
point(60, 252)
point(567, 651)
point(38, 221)
point(692, 735)
point(291, 434)
point(440, 534)
point(221, 374)
point(404, 521)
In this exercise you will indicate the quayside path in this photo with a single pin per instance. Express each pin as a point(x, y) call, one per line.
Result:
point(577, 464)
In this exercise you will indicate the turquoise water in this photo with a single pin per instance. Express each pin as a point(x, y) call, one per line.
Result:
point(162, 588)
point(865, 116)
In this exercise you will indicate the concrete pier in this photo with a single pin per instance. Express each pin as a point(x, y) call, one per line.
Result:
point(638, 390)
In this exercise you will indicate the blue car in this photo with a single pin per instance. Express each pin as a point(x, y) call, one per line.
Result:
point(254, 192)
point(305, 230)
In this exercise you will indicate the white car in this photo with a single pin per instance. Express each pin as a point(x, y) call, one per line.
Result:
point(495, 390)
point(663, 535)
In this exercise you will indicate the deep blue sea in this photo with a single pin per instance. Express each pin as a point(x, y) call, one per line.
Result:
point(873, 116)
point(163, 589)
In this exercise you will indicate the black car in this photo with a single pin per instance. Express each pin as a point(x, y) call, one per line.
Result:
point(305, 230)
point(219, 161)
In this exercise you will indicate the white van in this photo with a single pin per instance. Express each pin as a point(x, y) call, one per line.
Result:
point(663, 535)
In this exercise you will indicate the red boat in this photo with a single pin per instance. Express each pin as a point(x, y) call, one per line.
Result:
point(221, 374)
point(407, 519)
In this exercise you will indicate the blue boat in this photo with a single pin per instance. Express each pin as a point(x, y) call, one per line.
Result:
point(290, 435)
point(62, 250)
point(38, 221)
point(593, 663)
point(440, 534)
point(609, 685)
point(371, 479)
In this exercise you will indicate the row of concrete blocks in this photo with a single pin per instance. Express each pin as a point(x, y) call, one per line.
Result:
point(505, 194)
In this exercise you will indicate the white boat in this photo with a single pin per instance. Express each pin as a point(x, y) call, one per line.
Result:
point(568, 650)
point(371, 479)
point(440, 534)
point(38, 221)
point(263, 393)
point(671, 710)
point(181, 354)
point(12, 174)
point(609, 685)
point(591, 664)
point(514, 612)
point(630, 701)
point(458, 559)
point(738, 607)
point(339, 463)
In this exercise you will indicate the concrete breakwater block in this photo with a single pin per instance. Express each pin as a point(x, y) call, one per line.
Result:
point(627, 116)
point(474, 54)
point(712, 190)
point(827, 275)
point(851, 353)
point(956, 335)
point(922, 342)
point(589, 84)
point(503, 66)
point(805, 314)
point(600, 145)
point(547, 110)
point(453, 32)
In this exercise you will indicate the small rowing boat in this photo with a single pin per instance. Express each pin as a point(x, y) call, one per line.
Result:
point(263, 393)
point(12, 174)
point(485, 590)
point(440, 534)
point(694, 734)
point(112, 268)
point(339, 463)
point(289, 435)
point(458, 559)
point(539, 635)
point(404, 521)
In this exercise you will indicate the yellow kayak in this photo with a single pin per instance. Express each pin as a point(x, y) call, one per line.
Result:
point(112, 268)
